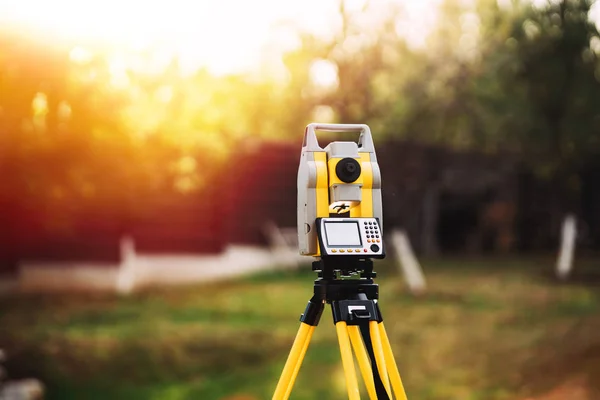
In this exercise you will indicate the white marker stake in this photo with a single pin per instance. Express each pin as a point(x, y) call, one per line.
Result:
point(564, 264)
point(126, 275)
point(411, 268)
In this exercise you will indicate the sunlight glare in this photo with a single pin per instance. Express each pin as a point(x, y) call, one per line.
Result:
point(323, 113)
point(324, 74)
point(39, 104)
point(64, 110)
point(80, 55)
point(418, 20)
point(164, 94)
point(118, 72)
point(226, 36)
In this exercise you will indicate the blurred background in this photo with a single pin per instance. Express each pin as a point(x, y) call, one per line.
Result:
point(148, 159)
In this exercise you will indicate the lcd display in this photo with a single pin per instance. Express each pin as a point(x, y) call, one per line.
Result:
point(344, 234)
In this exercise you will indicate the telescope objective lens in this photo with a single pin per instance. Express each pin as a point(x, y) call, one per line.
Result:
point(347, 170)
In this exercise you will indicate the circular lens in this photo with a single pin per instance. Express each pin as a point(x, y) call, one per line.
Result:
point(347, 170)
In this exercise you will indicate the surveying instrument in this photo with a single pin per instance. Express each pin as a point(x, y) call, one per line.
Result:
point(340, 223)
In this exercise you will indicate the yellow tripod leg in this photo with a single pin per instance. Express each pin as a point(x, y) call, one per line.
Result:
point(299, 362)
point(347, 361)
point(294, 360)
point(391, 364)
point(363, 360)
point(379, 355)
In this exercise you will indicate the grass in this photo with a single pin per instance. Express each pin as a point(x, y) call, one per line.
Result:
point(486, 329)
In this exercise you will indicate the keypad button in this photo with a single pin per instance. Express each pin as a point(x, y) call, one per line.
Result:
point(333, 250)
point(357, 250)
point(342, 251)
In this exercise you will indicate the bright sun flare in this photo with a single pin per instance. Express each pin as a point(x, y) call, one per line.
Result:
point(226, 36)
point(223, 35)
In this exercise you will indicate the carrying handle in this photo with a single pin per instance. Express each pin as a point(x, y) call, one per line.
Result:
point(365, 141)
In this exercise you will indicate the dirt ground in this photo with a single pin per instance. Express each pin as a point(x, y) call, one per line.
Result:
point(573, 389)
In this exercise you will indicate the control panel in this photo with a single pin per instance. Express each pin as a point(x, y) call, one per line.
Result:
point(350, 237)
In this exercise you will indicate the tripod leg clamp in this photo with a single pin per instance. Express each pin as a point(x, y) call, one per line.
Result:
point(312, 313)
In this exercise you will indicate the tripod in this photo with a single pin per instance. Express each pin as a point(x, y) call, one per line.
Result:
point(359, 326)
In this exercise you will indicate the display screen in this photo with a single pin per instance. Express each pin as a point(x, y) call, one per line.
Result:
point(345, 234)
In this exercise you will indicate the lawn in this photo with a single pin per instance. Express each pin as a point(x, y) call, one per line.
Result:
point(486, 329)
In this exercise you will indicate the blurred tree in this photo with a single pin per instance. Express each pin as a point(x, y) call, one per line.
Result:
point(62, 136)
point(455, 98)
point(516, 78)
point(557, 51)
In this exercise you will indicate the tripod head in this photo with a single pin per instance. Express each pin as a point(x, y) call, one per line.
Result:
point(339, 199)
